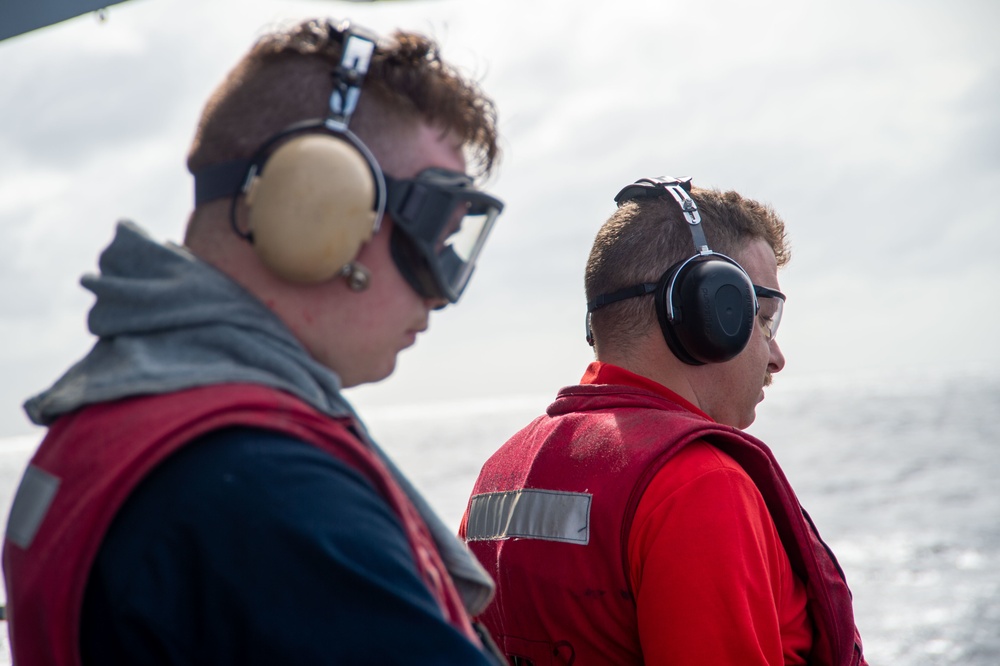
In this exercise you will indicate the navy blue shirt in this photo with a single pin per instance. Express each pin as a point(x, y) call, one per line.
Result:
point(250, 547)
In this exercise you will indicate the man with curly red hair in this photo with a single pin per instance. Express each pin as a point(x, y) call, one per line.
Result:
point(205, 493)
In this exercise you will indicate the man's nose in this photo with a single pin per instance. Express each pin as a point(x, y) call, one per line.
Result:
point(777, 360)
point(435, 303)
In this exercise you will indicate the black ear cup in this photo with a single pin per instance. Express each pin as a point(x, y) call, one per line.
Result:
point(706, 308)
point(312, 207)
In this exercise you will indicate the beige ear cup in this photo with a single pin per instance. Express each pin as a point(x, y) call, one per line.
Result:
point(311, 208)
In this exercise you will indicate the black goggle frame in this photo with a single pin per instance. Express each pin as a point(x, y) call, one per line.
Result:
point(427, 212)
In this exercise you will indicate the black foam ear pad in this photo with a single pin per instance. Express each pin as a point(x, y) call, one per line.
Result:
point(311, 208)
point(713, 309)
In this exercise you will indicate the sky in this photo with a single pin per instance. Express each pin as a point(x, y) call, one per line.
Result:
point(871, 126)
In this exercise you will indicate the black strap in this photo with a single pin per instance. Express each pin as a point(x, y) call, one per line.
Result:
point(620, 295)
point(219, 181)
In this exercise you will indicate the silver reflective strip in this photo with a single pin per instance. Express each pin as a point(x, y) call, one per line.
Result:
point(530, 514)
point(34, 495)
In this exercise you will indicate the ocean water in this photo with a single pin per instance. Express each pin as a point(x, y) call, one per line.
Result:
point(901, 475)
point(903, 481)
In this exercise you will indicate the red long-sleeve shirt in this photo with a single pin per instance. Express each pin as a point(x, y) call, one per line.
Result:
point(712, 581)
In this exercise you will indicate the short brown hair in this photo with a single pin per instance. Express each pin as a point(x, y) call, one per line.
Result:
point(643, 238)
point(287, 77)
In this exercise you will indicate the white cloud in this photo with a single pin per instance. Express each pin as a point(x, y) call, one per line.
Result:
point(872, 128)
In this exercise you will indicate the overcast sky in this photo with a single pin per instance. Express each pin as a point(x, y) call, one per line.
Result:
point(873, 127)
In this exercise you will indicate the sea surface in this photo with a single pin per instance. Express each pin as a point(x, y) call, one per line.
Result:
point(901, 475)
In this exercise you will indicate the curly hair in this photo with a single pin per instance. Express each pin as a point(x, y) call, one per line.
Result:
point(643, 238)
point(287, 77)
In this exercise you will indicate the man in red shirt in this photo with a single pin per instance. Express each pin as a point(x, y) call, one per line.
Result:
point(635, 522)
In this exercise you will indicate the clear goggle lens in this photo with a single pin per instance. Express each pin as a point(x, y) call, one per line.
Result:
point(462, 240)
point(770, 305)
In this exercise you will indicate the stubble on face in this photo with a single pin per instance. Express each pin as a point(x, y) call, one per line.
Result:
point(759, 262)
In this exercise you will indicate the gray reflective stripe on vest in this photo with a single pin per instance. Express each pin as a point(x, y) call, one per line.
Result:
point(34, 495)
point(530, 514)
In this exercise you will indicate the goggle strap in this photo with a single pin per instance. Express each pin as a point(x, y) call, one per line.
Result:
point(218, 181)
point(634, 291)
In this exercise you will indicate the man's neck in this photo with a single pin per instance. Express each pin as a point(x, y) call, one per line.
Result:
point(650, 357)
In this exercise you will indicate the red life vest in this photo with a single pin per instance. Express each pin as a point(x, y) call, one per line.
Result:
point(91, 461)
point(551, 514)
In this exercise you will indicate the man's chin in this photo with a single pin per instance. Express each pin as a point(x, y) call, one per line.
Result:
point(383, 373)
point(371, 375)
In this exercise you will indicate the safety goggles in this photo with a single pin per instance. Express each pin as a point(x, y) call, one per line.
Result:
point(770, 304)
point(440, 224)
